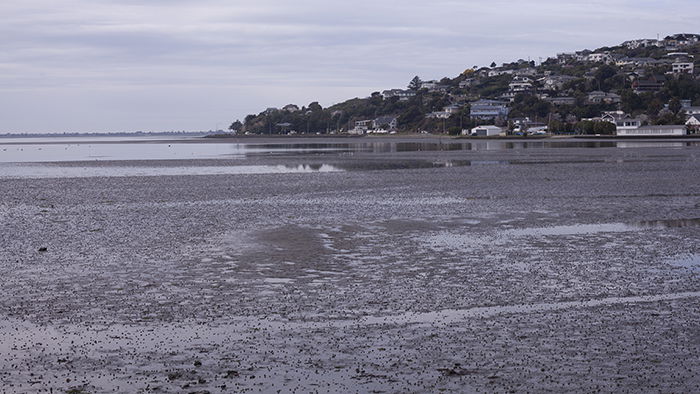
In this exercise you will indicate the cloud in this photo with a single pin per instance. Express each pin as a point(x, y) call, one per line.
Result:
point(224, 59)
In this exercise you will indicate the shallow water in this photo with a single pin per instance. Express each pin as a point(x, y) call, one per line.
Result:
point(108, 149)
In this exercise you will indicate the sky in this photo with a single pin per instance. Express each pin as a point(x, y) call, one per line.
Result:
point(173, 65)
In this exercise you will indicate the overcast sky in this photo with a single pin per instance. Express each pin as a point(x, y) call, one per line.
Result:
point(160, 65)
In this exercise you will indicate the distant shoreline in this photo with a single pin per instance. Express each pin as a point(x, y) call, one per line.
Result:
point(142, 139)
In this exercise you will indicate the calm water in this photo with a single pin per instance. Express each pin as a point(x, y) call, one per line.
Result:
point(52, 157)
point(32, 150)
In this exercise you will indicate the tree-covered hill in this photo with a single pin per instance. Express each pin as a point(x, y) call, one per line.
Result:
point(560, 92)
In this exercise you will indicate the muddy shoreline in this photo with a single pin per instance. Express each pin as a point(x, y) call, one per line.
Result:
point(570, 269)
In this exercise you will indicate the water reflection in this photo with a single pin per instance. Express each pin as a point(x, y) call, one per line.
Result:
point(38, 171)
point(54, 151)
point(671, 223)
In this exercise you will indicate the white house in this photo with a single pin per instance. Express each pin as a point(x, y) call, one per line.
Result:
point(438, 115)
point(361, 127)
point(485, 131)
point(642, 43)
point(495, 73)
point(403, 95)
point(682, 67)
point(600, 57)
point(693, 123)
point(429, 84)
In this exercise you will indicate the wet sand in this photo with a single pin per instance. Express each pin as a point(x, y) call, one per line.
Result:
point(569, 269)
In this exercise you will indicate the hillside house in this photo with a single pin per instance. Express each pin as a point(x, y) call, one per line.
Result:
point(642, 43)
point(520, 84)
point(600, 57)
point(555, 82)
point(467, 83)
point(488, 109)
point(498, 72)
point(403, 95)
point(651, 83)
point(682, 68)
point(438, 115)
point(622, 121)
point(387, 122)
point(565, 100)
point(598, 97)
point(361, 126)
point(452, 108)
point(693, 123)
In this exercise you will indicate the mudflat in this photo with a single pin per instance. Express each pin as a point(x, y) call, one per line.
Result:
point(566, 268)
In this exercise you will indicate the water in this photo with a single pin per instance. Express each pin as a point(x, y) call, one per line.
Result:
point(38, 171)
point(26, 150)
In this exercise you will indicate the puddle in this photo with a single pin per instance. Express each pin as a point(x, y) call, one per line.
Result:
point(671, 223)
point(576, 229)
point(30, 171)
point(689, 262)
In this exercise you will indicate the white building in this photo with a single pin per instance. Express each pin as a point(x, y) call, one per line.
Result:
point(682, 68)
point(601, 57)
point(429, 84)
point(693, 123)
point(642, 43)
point(485, 131)
point(438, 115)
point(649, 131)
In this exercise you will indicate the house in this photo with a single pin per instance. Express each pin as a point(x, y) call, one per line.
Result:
point(484, 131)
point(682, 68)
point(403, 95)
point(520, 84)
point(693, 123)
point(438, 115)
point(681, 40)
point(600, 57)
point(556, 82)
point(467, 83)
point(598, 97)
point(387, 122)
point(497, 72)
point(637, 61)
point(486, 109)
point(622, 121)
point(561, 100)
point(648, 131)
point(651, 83)
point(642, 43)
point(452, 108)
point(690, 111)
point(525, 72)
point(429, 84)
point(361, 127)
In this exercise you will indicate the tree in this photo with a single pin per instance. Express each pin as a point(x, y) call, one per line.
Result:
point(236, 126)
point(654, 107)
point(315, 107)
point(415, 83)
point(493, 64)
point(675, 105)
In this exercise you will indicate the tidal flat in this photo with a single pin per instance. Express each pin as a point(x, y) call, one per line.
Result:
point(355, 267)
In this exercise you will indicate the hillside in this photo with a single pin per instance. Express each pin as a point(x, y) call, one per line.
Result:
point(655, 80)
